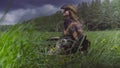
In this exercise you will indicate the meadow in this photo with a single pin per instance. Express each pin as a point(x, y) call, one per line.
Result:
point(20, 48)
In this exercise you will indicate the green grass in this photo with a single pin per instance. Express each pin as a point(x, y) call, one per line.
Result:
point(21, 48)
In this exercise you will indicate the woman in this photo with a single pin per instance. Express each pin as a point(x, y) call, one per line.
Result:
point(73, 29)
point(73, 35)
point(72, 25)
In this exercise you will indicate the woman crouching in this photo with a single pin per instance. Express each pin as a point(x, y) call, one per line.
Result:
point(73, 40)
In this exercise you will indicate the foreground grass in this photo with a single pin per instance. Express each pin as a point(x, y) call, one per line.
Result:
point(28, 49)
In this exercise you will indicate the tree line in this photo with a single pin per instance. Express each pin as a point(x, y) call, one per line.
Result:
point(99, 15)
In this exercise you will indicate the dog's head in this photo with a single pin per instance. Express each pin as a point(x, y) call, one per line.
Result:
point(64, 42)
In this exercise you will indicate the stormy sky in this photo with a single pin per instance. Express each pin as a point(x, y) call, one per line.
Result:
point(20, 10)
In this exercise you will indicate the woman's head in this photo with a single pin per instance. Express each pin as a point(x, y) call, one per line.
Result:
point(70, 10)
point(66, 13)
point(70, 7)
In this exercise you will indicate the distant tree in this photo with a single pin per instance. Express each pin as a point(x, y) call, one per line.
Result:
point(95, 14)
point(91, 14)
point(83, 12)
point(99, 15)
point(116, 12)
point(107, 16)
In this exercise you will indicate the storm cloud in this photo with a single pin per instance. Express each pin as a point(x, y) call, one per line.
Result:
point(20, 10)
point(18, 15)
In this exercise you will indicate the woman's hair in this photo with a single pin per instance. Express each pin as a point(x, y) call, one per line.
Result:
point(75, 17)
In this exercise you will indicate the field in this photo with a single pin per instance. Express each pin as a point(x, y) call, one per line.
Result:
point(21, 48)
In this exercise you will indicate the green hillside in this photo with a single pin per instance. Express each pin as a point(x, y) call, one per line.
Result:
point(48, 23)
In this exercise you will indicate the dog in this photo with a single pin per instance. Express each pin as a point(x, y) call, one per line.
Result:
point(65, 46)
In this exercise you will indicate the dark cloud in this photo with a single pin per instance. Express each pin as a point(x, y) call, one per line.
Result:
point(14, 16)
point(27, 9)
point(34, 3)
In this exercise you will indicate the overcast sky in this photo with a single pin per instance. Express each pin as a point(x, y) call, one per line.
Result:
point(26, 9)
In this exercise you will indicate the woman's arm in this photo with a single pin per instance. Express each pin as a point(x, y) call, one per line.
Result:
point(75, 36)
point(66, 31)
point(77, 31)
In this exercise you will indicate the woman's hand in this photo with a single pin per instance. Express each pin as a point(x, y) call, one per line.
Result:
point(75, 36)
point(65, 32)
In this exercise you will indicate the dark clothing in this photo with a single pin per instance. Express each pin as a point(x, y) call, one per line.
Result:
point(77, 27)
point(67, 22)
point(76, 44)
point(81, 45)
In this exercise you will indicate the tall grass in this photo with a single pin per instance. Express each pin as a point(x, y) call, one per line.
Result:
point(11, 43)
point(21, 48)
point(9, 48)
point(103, 52)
